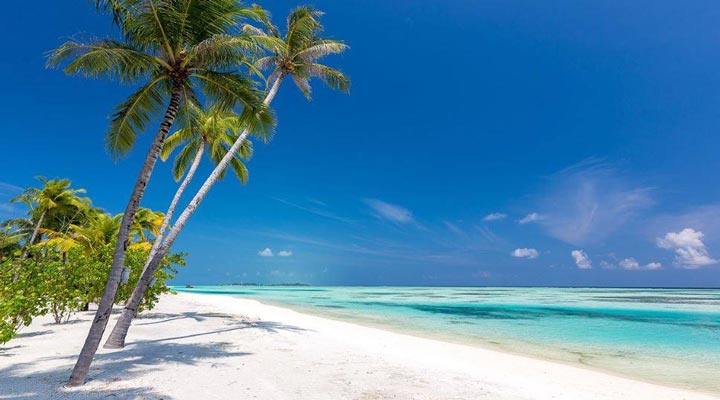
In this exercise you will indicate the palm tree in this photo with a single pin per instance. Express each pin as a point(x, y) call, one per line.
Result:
point(55, 200)
point(146, 223)
point(214, 129)
point(174, 48)
point(295, 55)
point(99, 231)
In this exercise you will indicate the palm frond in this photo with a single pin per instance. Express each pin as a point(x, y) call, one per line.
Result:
point(266, 63)
point(208, 18)
point(184, 159)
point(302, 26)
point(240, 170)
point(133, 116)
point(154, 25)
point(302, 83)
point(104, 58)
point(121, 10)
point(319, 49)
point(261, 124)
point(223, 51)
point(263, 16)
point(176, 139)
point(229, 89)
point(330, 76)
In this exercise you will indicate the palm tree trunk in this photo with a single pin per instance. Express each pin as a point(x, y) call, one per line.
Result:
point(119, 332)
point(117, 338)
point(108, 298)
point(34, 234)
point(173, 204)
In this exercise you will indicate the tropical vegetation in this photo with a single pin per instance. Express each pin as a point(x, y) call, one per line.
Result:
point(60, 256)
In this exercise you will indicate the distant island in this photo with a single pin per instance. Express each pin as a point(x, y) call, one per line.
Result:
point(261, 284)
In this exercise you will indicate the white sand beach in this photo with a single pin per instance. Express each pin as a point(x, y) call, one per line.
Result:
point(216, 347)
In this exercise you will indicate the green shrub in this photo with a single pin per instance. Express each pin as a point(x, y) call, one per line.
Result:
point(62, 283)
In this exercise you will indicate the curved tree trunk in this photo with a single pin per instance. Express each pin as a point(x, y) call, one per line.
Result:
point(82, 366)
point(117, 336)
point(34, 234)
point(117, 339)
point(173, 204)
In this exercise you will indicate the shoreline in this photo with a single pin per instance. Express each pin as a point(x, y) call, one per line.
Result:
point(449, 339)
point(215, 346)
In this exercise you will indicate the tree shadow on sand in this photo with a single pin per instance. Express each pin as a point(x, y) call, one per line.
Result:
point(242, 323)
point(165, 317)
point(113, 370)
point(17, 382)
point(33, 334)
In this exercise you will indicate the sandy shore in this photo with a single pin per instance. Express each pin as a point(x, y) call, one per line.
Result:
point(214, 347)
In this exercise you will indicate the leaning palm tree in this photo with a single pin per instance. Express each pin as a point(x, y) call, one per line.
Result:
point(296, 55)
point(174, 49)
point(213, 129)
point(55, 198)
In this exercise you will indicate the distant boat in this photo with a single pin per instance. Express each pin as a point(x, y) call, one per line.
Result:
point(188, 286)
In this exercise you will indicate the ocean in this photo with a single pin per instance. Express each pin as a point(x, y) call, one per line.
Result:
point(666, 336)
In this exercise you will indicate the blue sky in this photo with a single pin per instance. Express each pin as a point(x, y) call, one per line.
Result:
point(483, 143)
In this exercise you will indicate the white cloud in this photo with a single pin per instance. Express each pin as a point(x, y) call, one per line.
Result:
point(690, 251)
point(633, 265)
point(581, 259)
point(525, 253)
point(391, 212)
point(285, 253)
point(653, 265)
point(532, 217)
point(606, 265)
point(266, 253)
point(589, 201)
point(705, 218)
point(494, 217)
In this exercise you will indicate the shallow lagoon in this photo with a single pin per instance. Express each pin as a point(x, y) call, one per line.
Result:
point(669, 336)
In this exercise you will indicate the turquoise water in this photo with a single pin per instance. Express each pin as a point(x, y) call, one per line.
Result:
point(668, 336)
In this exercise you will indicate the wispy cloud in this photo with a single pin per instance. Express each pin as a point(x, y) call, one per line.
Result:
point(316, 210)
point(7, 192)
point(581, 259)
point(453, 228)
point(384, 252)
point(532, 217)
point(690, 250)
point(589, 201)
point(496, 216)
point(525, 253)
point(390, 212)
point(284, 253)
